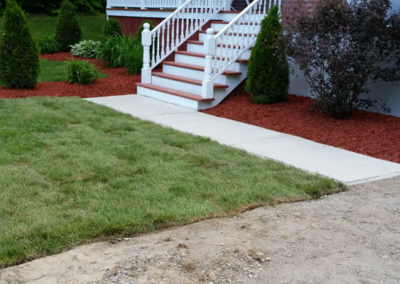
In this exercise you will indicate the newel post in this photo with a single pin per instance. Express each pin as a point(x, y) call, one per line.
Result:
point(146, 42)
point(209, 47)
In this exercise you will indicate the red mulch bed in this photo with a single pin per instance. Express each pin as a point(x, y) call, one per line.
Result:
point(117, 83)
point(367, 133)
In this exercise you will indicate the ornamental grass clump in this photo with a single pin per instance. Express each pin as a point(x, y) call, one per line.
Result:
point(268, 71)
point(68, 30)
point(344, 47)
point(122, 52)
point(48, 45)
point(19, 56)
point(81, 72)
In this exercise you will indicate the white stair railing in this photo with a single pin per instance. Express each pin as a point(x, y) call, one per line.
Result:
point(225, 48)
point(144, 4)
point(164, 39)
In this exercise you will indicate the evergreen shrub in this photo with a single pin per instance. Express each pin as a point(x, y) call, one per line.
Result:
point(68, 31)
point(19, 55)
point(268, 70)
point(112, 28)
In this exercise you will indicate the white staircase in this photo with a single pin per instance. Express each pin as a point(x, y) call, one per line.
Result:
point(208, 65)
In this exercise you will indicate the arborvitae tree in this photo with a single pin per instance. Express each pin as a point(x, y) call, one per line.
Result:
point(19, 55)
point(68, 31)
point(268, 72)
point(112, 28)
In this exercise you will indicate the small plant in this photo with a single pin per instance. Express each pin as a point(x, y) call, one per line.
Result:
point(81, 72)
point(48, 45)
point(268, 72)
point(86, 48)
point(19, 56)
point(112, 28)
point(68, 31)
point(342, 48)
point(122, 52)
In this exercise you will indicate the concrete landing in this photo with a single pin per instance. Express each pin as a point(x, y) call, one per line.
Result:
point(339, 164)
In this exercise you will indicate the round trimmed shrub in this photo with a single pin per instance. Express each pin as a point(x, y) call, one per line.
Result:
point(112, 28)
point(68, 31)
point(19, 55)
point(268, 70)
point(81, 72)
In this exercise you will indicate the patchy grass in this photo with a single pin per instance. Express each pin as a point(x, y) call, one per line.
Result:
point(72, 171)
point(55, 71)
point(92, 26)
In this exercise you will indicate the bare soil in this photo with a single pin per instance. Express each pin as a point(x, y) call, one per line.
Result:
point(351, 237)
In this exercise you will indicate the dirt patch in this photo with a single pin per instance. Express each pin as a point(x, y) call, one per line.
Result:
point(366, 133)
point(351, 237)
point(117, 83)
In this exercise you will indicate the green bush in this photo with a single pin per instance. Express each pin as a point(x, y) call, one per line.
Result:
point(112, 28)
point(19, 56)
point(68, 31)
point(268, 72)
point(81, 72)
point(122, 52)
point(48, 45)
point(86, 48)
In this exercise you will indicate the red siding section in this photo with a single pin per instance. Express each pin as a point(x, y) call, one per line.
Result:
point(130, 25)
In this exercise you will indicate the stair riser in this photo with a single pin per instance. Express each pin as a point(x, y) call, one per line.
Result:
point(199, 61)
point(227, 39)
point(189, 73)
point(192, 104)
point(176, 85)
point(200, 49)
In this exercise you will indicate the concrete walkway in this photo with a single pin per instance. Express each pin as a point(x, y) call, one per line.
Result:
point(342, 165)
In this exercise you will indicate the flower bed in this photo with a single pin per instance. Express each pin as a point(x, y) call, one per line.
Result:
point(117, 83)
point(366, 133)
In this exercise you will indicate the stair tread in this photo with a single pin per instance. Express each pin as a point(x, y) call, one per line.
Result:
point(202, 55)
point(187, 80)
point(226, 23)
point(199, 68)
point(174, 92)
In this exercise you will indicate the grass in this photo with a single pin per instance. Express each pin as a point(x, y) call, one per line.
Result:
point(55, 71)
point(72, 171)
point(92, 26)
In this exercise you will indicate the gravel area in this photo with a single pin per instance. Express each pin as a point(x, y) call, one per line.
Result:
point(351, 237)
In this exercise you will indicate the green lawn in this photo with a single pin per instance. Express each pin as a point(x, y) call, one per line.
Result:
point(54, 71)
point(92, 26)
point(72, 171)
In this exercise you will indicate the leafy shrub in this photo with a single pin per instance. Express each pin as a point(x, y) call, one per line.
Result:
point(68, 31)
point(81, 72)
point(122, 52)
point(48, 45)
point(112, 28)
point(86, 48)
point(268, 71)
point(19, 56)
point(343, 47)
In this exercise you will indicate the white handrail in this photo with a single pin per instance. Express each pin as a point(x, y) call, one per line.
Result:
point(178, 27)
point(239, 35)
